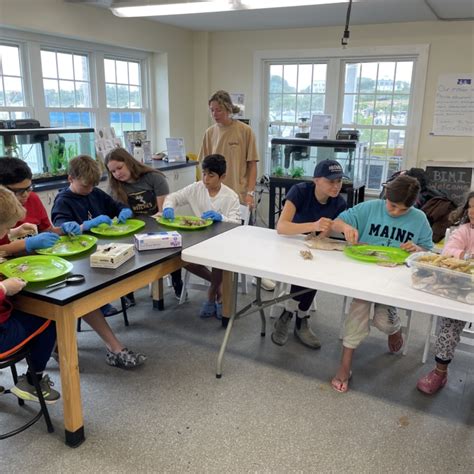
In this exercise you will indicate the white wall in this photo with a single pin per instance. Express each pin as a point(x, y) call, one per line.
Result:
point(172, 50)
point(451, 50)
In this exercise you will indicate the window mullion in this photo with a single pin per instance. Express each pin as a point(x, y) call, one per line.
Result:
point(36, 86)
point(100, 101)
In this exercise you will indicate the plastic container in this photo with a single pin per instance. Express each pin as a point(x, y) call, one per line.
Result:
point(440, 281)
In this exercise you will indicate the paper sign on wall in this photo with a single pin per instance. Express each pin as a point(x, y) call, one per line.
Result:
point(454, 106)
point(320, 126)
point(175, 148)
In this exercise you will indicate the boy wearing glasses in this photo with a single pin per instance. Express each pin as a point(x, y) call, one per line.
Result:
point(16, 176)
point(35, 230)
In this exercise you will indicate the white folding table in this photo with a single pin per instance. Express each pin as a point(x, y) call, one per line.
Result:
point(265, 254)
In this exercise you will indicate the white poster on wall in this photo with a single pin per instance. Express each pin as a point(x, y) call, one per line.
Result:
point(320, 126)
point(454, 106)
point(238, 98)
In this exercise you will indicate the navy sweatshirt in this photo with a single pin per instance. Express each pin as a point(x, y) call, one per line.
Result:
point(69, 206)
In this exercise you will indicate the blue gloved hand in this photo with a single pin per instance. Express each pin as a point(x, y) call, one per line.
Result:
point(41, 241)
point(124, 215)
point(168, 213)
point(86, 225)
point(215, 216)
point(72, 227)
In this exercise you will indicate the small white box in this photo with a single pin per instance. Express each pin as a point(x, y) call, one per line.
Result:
point(157, 240)
point(112, 255)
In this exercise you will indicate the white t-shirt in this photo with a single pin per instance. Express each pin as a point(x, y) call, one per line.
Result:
point(225, 202)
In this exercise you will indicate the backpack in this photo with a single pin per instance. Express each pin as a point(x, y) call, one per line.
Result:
point(437, 210)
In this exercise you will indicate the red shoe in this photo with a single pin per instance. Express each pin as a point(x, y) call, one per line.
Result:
point(432, 382)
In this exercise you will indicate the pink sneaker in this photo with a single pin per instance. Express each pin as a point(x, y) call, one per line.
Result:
point(432, 382)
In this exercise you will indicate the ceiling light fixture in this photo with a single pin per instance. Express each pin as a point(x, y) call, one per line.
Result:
point(213, 7)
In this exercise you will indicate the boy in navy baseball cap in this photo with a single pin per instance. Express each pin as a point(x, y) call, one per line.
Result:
point(309, 207)
point(329, 169)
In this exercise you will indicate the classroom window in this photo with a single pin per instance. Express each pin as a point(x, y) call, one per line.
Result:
point(66, 85)
point(373, 93)
point(12, 95)
point(124, 95)
point(295, 93)
point(376, 101)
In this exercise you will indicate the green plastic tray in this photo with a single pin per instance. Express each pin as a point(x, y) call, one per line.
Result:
point(36, 268)
point(68, 246)
point(376, 254)
point(178, 223)
point(118, 230)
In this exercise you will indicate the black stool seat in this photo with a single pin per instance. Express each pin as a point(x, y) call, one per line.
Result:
point(23, 353)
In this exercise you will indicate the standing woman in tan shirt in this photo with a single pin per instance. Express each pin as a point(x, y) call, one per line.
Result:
point(236, 142)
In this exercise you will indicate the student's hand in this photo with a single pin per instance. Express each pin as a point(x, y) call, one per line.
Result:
point(102, 219)
point(71, 228)
point(124, 215)
point(323, 225)
point(168, 213)
point(12, 286)
point(410, 247)
point(41, 241)
point(23, 229)
point(215, 216)
point(351, 234)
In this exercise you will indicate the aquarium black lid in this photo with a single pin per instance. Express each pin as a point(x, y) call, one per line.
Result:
point(42, 131)
point(348, 144)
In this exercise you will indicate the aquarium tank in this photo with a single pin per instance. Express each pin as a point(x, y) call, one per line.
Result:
point(47, 150)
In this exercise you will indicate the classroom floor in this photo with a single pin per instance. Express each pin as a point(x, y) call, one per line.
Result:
point(272, 411)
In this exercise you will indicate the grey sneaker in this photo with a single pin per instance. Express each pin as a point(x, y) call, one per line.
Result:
point(280, 334)
point(125, 359)
point(306, 335)
point(25, 391)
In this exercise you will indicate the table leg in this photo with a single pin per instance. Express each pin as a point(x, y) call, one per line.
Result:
point(229, 304)
point(157, 292)
point(70, 381)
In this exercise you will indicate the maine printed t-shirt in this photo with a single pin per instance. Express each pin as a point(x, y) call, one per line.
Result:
point(142, 194)
point(377, 227)
point(308, 208)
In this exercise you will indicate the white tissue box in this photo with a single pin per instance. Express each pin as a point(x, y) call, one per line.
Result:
point(157, 240)
point(112, 255)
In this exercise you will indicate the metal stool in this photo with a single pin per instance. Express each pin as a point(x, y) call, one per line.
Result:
point(10, 361)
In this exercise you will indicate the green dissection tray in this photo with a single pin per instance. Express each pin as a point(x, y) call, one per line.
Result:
point(118, 230)
point(376, 254)
point(186, 222)
point(34, 268)
point(68, 246)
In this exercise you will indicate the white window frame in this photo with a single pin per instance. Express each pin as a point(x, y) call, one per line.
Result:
point(26, 108)
point(336, 58)
point(30, 48)
point(143, 75)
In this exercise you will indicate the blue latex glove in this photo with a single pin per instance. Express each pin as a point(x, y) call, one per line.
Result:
point(41, 241)
point(71, 228)
point(215, 216)
point(124, 215)
point(168, 213)
point(86, 225)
